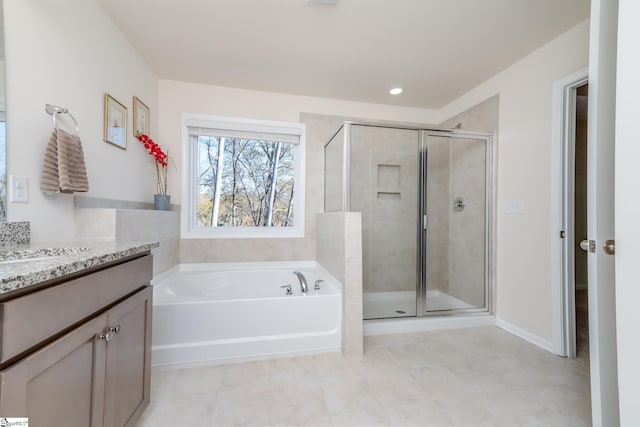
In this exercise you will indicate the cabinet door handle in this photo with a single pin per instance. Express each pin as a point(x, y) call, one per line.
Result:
point(106, 336)
point(116, 329)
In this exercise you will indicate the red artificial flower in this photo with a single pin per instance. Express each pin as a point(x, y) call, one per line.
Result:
point(160, 158)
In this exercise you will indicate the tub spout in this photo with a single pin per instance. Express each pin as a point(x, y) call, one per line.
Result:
point(302, 280)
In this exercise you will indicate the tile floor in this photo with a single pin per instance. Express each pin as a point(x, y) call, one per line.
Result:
point(465, 377)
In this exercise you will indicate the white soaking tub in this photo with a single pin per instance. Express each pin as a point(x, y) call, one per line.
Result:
point(218, 313)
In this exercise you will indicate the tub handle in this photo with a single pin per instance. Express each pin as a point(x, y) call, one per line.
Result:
point(288, 287)
point(318, 284)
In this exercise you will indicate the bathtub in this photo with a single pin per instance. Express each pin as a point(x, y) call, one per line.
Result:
point(219, 313)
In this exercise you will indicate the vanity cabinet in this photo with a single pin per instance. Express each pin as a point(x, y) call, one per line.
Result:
point(97, 372)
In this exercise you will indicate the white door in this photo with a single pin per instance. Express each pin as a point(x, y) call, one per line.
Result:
point(601, 134)
point(628, 211)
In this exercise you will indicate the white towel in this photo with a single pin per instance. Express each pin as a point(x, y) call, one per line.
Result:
point(64, 170)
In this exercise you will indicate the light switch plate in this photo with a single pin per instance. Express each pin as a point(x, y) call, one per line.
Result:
point(18, 189)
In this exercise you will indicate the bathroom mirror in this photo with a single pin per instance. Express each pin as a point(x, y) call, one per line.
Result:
point(3, 126)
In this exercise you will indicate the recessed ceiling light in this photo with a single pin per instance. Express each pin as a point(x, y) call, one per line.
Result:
point(323, 2)
point(396, 91)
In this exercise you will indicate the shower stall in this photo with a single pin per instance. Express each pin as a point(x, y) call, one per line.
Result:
point(426, 200)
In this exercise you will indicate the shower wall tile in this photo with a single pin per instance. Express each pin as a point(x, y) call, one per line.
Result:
point(384, 170)
point(330, 247)
point(479, 118)
point(467, 228)
point(437, 274)
point(95, 224)
point(333, 174)
point(354, 324)
point(166, 255)
point(354, 340)
point(134, 225)
point(244, 250)
point(339, 250)
point(353, 259)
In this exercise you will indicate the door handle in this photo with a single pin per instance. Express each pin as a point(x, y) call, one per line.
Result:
point(609, 247)
point(588, 246)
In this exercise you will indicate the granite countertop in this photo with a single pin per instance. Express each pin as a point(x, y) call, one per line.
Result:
point(25, 265)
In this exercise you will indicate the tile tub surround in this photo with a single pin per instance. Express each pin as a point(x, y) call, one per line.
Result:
point(465, 377)
point(51, 261)
point(339, 250)
point(15, 233)
point(96, 224)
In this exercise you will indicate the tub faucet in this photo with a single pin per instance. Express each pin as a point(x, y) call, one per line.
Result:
point(302, 280)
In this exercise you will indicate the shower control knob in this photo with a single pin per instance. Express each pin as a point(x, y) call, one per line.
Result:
point(459, 204)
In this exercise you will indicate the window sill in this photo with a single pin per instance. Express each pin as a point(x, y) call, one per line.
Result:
point(229, 233)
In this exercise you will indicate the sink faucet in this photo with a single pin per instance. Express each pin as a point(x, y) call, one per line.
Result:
point(302, 280)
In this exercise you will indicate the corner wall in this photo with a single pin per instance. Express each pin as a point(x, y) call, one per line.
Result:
point(524, 173)
point(69, 54)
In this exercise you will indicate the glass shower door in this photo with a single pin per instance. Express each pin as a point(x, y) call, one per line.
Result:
point(383, 180)
point(455, 204)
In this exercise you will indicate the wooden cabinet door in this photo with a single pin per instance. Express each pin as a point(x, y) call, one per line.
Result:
point(61, 384)
point(128, 360)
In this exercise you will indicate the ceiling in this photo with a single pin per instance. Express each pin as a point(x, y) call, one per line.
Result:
point(435, 49)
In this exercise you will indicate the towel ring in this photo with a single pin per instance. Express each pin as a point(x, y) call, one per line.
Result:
point(55, 110)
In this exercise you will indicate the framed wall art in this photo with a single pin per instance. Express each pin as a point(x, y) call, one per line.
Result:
point(115, 122)
point(141, 117)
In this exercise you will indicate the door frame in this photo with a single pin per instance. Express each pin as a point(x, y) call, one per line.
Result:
point(563, 333)
point(489, 223)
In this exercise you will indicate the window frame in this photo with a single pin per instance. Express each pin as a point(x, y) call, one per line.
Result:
point(188, 227)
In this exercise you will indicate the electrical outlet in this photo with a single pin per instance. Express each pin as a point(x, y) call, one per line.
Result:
point(18, 189)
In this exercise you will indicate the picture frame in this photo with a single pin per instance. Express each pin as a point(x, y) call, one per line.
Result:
point(141, 117)
point(115, 122)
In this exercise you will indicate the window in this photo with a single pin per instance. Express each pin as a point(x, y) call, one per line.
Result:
point(243, 178)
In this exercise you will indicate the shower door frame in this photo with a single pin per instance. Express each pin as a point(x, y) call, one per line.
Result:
point(421, 241)
point(490, 224)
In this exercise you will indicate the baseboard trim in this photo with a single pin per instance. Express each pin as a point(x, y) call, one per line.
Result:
point(527, 336)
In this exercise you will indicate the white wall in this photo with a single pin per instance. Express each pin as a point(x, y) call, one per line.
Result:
point(524, 159)
point(69, 53)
